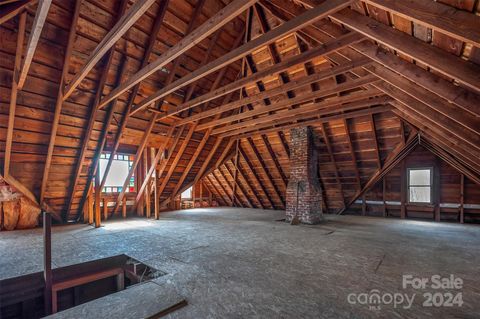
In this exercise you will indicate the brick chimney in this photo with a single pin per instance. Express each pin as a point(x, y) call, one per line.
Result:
point(304, 193)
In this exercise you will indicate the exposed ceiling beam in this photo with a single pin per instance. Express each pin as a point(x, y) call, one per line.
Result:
point(454, 22)
point(59, 99)
point(436, 103)
point(467, 100)
point(118, 30)
point(313, 121)
point(304, 98)
point(91, 121)
point(296, 23)
point(355, 102)
point(465, 72)
point(275, 69)
point(294, 84)
point(195, 37)
point(12, 9)
point(14, 94)
point(146, 55)
point(35, 32)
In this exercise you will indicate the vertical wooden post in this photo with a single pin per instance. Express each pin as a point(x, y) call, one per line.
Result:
point(383, 196)
point(201, 193)
point(105, 208)
point(120, 282)
point(124, 207)
point(234, 186)
point(210, 199)
point(98, 192)
point(90, 205)
point(364, 206)
point(436, 189)
point(462, 197)
point(156, 197)
point(140, 181)
point(47, 261)
point(146, 195)
point(85, 213)
point(403, 189)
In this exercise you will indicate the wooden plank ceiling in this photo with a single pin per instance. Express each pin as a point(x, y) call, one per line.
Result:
point(213, 86)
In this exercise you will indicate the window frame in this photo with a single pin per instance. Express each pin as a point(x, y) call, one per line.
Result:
point(108, 189)
point(429, 168)
point(191, 194)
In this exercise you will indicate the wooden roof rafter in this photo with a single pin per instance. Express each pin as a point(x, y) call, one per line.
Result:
point(202, 32)
point(11, 10)
point(297, 23)
point(119, 29)
point(40, 17)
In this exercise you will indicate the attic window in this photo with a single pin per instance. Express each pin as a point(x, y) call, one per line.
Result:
point(420, 182)
point(187, 194)
point(117, 174)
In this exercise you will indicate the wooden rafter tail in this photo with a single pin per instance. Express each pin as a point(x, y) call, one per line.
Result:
point(40, 17)
point(59, 100)
point(297, 23)
point(222, 17)
point(122, 25)
point(396, 156)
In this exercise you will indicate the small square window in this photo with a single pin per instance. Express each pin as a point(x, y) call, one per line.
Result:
point(420, 181)
point(187, 194)
point(119, 170)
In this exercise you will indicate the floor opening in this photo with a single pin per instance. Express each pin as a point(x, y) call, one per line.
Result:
point(23, 296)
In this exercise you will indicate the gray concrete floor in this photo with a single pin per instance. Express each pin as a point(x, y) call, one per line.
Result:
point(241, 263)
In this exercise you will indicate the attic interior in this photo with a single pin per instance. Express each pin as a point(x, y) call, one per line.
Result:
point(239, 158)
